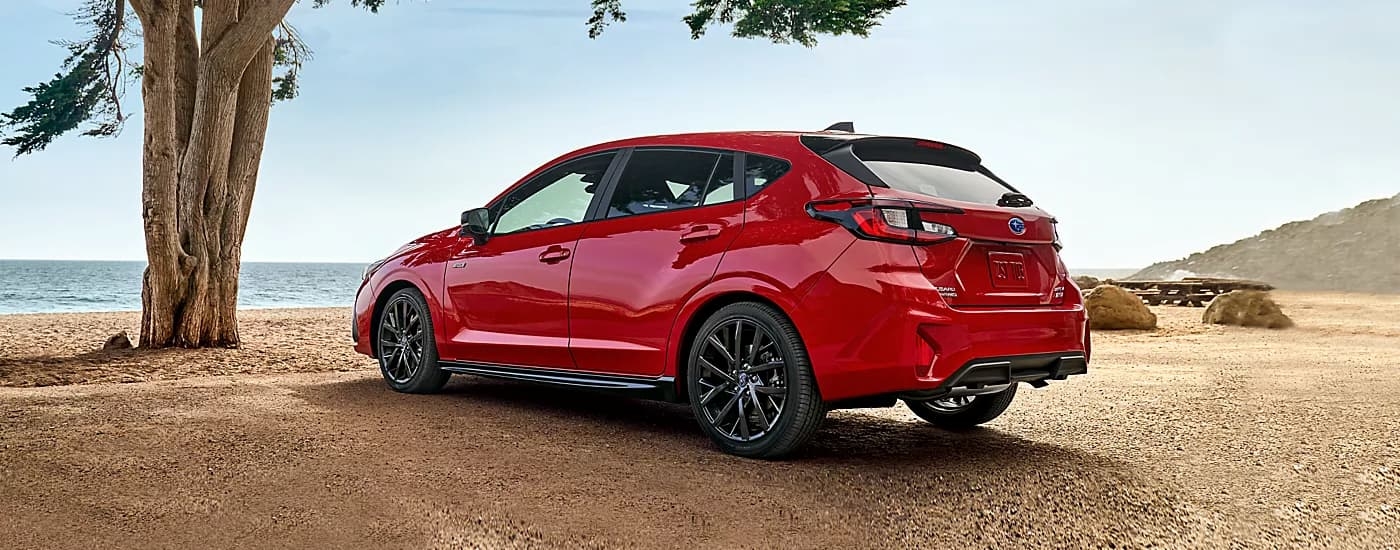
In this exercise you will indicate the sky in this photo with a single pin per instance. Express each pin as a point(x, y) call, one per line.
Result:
point(1151, 130)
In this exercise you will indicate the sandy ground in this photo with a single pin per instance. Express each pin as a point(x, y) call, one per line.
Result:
point(1189, 436)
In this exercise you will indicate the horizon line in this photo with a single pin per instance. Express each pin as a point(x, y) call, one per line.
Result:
point(1071, 268)
point(144, 261)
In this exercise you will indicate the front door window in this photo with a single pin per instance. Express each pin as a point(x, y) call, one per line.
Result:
point(557, 197)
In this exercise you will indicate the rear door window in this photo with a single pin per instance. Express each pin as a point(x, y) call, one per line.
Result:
point(721, 185)
point(656, 180)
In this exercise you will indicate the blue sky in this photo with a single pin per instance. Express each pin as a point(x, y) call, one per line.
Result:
point(1151, 129)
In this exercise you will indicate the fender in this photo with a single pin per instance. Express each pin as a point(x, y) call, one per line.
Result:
point(747, 283)
point(421, 268)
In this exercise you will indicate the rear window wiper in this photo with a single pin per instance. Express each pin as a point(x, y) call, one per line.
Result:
point(1014, 200)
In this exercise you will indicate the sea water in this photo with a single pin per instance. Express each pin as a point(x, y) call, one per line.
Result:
point(44, 286)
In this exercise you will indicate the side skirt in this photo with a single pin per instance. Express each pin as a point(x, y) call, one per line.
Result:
point(659, 389)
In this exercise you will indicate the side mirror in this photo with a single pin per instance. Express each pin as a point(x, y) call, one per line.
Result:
point(477, 223)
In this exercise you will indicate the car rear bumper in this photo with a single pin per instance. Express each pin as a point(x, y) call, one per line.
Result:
point(1000, 371)
point(896, 335)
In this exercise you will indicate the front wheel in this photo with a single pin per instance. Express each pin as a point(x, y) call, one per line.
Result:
point(961, 413)
point(408, 357)
point(750, 382)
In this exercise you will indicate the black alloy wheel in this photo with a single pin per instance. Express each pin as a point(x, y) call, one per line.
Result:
point(750, 382)
point(407, 352)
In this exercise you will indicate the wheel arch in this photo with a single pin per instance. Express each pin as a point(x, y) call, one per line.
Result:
point(389, 290)
point(705, 304)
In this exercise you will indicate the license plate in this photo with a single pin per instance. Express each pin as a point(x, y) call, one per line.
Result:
point(1008, 269)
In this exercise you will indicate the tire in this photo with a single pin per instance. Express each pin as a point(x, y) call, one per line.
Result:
point(979, 410)
point(408, 357)
point(778, 369)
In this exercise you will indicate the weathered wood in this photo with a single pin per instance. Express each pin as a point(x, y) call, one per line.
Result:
point(1190, 291)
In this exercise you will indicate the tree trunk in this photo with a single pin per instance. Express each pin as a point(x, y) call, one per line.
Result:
point(206, 111)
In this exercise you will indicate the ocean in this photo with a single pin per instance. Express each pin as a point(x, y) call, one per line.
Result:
point(44, 286)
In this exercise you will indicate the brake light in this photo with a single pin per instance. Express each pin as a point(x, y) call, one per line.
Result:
point(890, 223)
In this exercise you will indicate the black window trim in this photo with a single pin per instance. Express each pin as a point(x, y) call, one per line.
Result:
point(616, 170)
point(593, 204)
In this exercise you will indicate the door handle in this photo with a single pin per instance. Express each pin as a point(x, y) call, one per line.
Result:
point(554, 254)
point(700, 232)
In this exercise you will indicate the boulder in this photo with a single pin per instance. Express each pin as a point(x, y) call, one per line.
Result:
point(1113, 308)
point(1246, 308)
point(1085, 282)
point(118, 341)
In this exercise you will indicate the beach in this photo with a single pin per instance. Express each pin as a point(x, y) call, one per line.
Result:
point(1187, 436)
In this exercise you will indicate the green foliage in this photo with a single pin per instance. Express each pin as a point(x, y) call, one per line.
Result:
point(787, 21)
point(289, 53)
point(604, 12)
point(89, 87)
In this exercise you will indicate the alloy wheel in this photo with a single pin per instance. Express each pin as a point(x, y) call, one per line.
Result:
point(401, 340)
point(742, 379)
point(950, 404)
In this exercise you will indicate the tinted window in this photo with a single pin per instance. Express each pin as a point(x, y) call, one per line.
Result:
point(761, 170)
point(557, 197)
point(721, 187)
point(657, 180)
point(930, 168)
point(939, 181)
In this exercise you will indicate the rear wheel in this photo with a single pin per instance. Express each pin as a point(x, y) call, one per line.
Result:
point(750, 382)
point(960, 413)
point(408, 357)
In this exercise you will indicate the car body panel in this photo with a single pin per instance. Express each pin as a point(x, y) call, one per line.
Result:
point(620, 320)
point(509, 302)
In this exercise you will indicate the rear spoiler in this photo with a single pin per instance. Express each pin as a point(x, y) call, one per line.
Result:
point(822, 144)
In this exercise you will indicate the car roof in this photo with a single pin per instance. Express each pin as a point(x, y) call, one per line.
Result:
point(737, 140)
point(697, 137)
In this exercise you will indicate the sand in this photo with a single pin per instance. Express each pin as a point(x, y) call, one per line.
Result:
point(1187, 436)
point(64, 348)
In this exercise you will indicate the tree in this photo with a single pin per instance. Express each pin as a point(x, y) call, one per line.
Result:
point(207, 86)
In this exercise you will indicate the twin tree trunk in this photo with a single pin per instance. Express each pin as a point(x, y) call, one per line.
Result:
point(207, 95)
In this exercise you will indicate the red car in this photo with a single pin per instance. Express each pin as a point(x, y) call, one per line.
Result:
point(762, 277)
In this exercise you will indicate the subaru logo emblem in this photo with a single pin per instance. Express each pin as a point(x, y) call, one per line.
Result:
point(1017, 225)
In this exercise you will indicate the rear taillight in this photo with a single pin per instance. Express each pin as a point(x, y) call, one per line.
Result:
point(900, 223)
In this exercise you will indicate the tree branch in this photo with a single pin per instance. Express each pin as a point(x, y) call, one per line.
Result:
point(88, 90)
point(238, 46)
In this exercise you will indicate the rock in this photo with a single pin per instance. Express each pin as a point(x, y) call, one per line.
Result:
point(1085, 282)
point(1112, 308)
point(118, 341)
point(1246, 308)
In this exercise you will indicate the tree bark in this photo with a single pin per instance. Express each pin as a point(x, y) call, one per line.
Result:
point(206, 112)
point(161, 291)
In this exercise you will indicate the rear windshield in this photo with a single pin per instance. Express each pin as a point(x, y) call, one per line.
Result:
point(930, 168)
point(938, 181)
point(912, 165)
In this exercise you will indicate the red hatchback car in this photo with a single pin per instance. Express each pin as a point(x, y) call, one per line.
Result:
point(762, 277)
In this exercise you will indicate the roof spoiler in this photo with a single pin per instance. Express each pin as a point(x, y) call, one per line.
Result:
point(848, 127)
